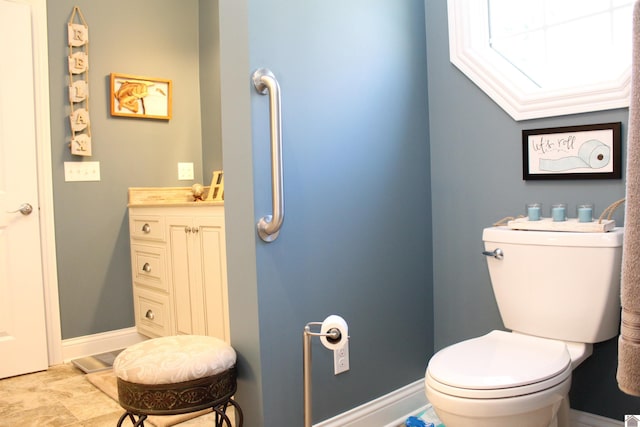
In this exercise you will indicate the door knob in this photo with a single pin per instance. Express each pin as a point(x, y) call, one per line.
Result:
point(24, 209)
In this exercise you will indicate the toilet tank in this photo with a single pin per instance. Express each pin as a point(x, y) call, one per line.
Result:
point(558, 285)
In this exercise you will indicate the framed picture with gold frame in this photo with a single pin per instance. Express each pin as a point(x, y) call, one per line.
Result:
point(142, 97)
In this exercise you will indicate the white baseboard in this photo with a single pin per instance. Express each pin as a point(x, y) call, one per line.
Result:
point(585, 419)
point(88, 345)
point(388, 410)
point(391, 410)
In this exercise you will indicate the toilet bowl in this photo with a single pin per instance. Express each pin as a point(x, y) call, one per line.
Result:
point(558, 292)
point(501, 379)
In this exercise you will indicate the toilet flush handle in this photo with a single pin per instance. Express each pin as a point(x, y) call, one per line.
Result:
point(497, 253)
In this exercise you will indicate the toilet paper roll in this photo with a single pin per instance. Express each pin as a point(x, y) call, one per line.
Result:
point(592, 154)
point(334, 322)
point(595, 154)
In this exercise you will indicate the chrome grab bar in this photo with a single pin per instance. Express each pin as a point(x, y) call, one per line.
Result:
point(269, 225)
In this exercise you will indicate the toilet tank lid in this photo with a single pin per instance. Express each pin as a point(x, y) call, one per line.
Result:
point(611, 239)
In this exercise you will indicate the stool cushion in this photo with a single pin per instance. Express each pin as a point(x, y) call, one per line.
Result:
point(174, 359)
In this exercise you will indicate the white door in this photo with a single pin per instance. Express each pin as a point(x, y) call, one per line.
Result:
point(23, 339)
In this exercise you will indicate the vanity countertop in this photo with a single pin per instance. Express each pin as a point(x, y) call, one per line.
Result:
point(168, 196)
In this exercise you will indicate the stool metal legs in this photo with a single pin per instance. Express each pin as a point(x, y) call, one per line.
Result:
point(222, 420)
point(139, 423)
point(221, 415)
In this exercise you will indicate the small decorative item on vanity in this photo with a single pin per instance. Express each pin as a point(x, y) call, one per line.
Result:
point(216, 190)
point(198, 191)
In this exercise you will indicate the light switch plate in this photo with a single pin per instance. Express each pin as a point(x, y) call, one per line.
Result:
point(81, 171)
point(185, 171)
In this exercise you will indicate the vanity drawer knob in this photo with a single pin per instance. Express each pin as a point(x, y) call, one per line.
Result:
point(149, 315)
point(146, 267)
point(146, 229)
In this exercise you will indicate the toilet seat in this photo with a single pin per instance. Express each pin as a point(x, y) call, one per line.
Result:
point(499, 364)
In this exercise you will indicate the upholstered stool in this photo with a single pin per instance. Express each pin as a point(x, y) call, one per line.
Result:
point(176, 375)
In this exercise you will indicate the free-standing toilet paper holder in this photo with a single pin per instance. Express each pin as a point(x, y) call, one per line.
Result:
point(333, 336)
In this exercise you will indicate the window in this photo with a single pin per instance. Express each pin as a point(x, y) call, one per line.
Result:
point(539, 58)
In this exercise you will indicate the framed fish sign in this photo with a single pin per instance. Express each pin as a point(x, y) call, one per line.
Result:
point(142, 97)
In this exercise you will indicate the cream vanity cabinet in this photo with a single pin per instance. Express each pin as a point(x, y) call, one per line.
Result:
point(178, 262)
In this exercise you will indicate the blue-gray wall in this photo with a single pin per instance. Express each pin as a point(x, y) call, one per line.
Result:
point(209, 55)
point(476, 179)
point(356, 237)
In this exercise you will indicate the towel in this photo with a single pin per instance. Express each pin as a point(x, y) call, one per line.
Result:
point(628, 375)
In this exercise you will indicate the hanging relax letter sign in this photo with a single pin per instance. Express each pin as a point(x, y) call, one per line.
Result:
point(79, 121)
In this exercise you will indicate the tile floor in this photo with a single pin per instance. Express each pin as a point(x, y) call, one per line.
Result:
point(59, 397)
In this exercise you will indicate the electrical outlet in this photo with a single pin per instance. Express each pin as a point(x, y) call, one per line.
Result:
point(341, 359)
point(185, 171)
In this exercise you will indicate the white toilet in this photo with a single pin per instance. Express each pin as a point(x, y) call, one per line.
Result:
point(558, 292)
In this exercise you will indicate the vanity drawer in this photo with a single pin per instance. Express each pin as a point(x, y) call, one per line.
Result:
point(152, 313)
point(149, 264)
point(147, 227)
